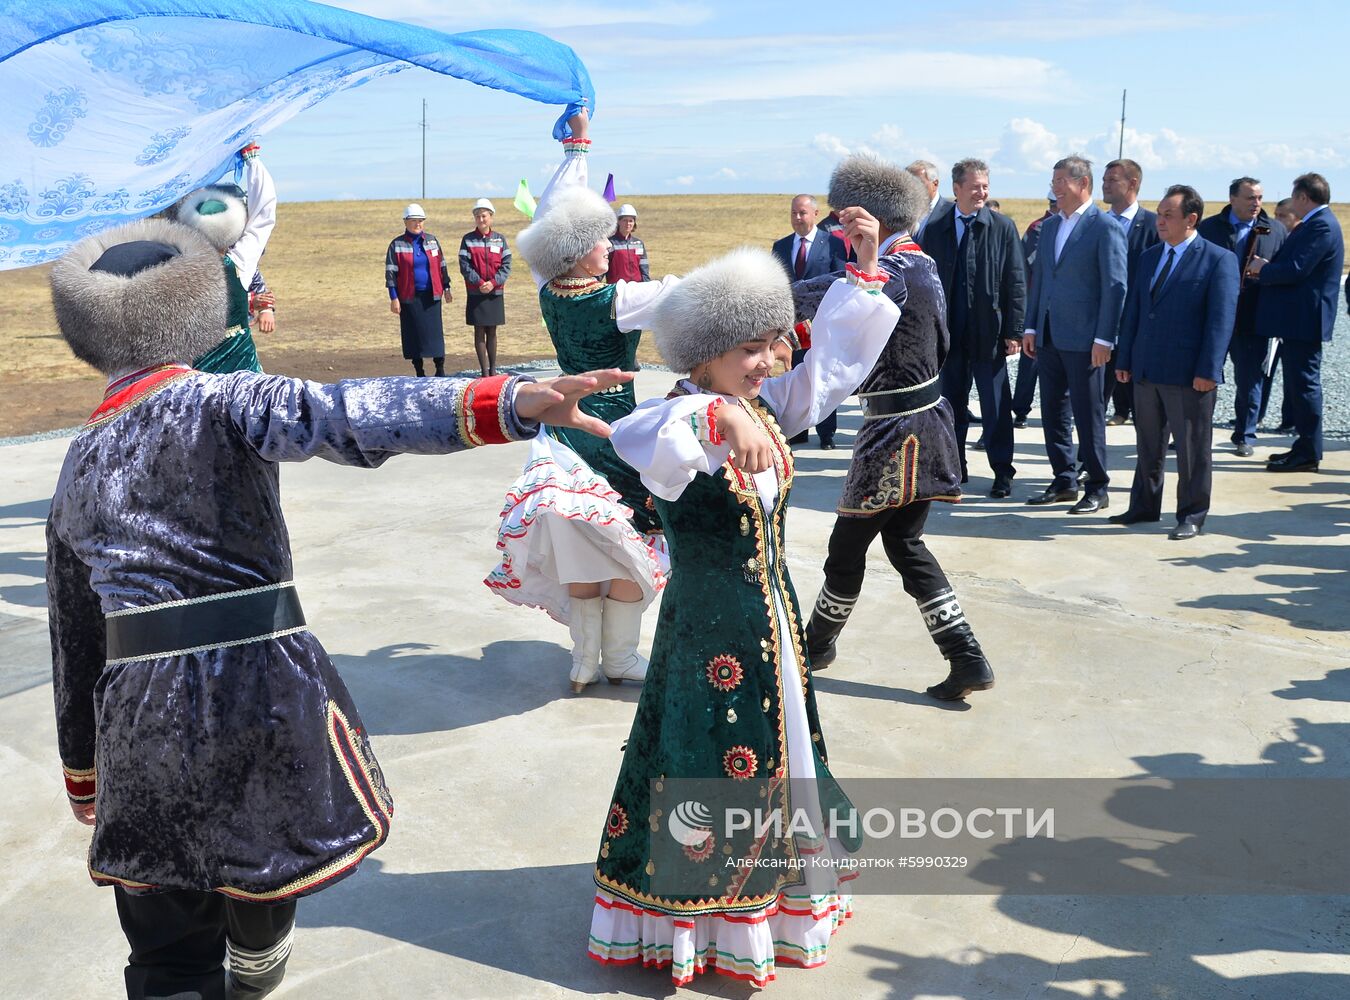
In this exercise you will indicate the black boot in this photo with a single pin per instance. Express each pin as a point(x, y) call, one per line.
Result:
point(828, 619)
point(252, 975)
point(948, 628)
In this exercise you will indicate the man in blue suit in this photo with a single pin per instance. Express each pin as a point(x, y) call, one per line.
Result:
point(1121, 181)
point(1073, 317)
point(1173, 338)
point(1300, 296)
point(809, 252)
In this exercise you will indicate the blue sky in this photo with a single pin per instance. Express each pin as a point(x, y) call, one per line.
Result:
point(765, 97)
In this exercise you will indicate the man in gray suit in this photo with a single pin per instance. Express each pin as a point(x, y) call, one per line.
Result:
point(1077, 295)
point(928, 174)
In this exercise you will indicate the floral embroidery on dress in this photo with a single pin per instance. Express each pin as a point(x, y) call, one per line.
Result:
point(701, 852)
point(616, 825)
point(724, 672)
point(740, 763)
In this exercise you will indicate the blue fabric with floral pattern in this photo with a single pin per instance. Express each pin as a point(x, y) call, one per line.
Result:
point(115, 109)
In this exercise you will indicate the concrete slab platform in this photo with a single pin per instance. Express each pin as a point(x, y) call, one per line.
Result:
point(1118, 653)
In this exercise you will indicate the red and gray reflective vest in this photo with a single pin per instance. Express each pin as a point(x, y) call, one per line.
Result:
point(398, 266)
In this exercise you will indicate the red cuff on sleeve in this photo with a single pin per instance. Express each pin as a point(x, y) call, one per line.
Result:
point(482, 411)
point(79, 785)
point(803, 332)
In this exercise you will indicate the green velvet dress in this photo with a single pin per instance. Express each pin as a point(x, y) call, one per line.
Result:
point(236, 353)
point(713, 705)
point(579, 314)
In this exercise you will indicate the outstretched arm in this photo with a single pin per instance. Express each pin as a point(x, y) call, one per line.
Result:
point(364, 422)
point(572, 172)
point(262, 216)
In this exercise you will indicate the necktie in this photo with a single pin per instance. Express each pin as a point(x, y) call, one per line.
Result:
point(1156, 290)
point(966, 220)
point(801, 257)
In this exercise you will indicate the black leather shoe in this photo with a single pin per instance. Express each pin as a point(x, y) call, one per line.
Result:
point(1291, 465)
point(827, 445)
point(1091, 503)
point(1243, 450)
point(1183, 531)
point(1002, 487)
point(1053, 496)
point(1082, 475)
point(1277, 456)
point(1116, 420)
point(1130, 517)
point(1019, 422)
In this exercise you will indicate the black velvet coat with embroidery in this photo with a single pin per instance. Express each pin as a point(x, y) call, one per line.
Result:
point(244, 769)
point(899, 460)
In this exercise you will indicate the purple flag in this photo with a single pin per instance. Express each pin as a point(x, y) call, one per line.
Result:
point(609, 189)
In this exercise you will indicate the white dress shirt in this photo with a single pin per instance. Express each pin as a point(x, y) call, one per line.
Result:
point(1067, 223)
point(1180, 249)
point(1128, 215)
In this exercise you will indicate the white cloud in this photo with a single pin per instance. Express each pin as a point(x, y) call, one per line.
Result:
point(685, 180)
point(1027, 146)
point(830, 145)
point(487, 187)
point(726, 172)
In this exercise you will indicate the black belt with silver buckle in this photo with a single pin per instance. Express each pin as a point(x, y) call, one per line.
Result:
point(203, 623)
point(910, 400)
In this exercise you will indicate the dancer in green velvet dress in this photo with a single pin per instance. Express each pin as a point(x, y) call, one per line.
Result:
point(729, 698)
point(608, 581)
point(238, 224)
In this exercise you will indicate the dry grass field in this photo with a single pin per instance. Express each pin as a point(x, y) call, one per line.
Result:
point(326, 264)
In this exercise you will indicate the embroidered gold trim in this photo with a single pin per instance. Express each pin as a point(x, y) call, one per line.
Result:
point(137, 400)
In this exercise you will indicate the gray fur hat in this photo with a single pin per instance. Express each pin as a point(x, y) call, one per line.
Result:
point(895, 197)
point(567, 229)
point(171, 311)
point(728, 301)
point(218, 211)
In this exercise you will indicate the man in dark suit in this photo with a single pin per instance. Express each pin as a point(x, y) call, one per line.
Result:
point(1245, 229)
point(1073, 317)
point(1300, 296)
point(1173, 337)
point(928, 174)
point(1120, 190)
point(979, 261)
point(809, 252)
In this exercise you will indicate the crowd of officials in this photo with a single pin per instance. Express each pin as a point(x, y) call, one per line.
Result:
point(1125, 308)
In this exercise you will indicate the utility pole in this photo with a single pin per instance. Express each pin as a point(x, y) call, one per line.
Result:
point(423, 123)
point(1120, 153)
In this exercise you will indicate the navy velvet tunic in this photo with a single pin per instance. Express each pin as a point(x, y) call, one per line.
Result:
point(242, 769)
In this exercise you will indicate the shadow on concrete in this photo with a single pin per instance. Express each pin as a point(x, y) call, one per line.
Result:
point(30, 564)
point(1171, 946)
point(828, 684)
point(402, 691)
point(528, 921)
point(29, 513)
point(1335, 686)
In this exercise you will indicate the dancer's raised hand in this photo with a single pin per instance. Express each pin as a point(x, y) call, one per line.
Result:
point(554, 401)
point(864, 233)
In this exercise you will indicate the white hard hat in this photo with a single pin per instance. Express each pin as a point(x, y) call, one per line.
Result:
point(484, 203)
point(627, 210)
point(414, 211)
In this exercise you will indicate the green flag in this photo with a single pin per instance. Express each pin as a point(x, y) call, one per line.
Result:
point(525, 200)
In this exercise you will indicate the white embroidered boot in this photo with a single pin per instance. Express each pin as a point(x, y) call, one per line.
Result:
point(619, 636)
point(585, 628)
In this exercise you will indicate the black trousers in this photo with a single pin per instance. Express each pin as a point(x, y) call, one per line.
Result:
point(179, 938)
point(1071, 397)
point(990, 378)
point(901, 531)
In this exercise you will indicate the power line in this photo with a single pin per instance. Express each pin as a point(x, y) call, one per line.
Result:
point(423, 123)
